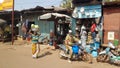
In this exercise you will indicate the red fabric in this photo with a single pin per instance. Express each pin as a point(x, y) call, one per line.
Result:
point(93, 27)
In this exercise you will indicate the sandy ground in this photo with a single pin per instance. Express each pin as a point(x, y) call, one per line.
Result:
point(19, 56)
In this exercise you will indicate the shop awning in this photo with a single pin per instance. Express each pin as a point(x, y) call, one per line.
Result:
point(2, 21)
point(55, 15)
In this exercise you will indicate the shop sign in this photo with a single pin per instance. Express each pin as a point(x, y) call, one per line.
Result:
point(92, 11)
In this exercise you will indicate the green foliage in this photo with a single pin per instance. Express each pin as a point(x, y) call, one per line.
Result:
point(111, 0)
point(66, 4)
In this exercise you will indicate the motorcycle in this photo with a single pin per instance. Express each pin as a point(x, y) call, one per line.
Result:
point(78, 53)
point(109, 55)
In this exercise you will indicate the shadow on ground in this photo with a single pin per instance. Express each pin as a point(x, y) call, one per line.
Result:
point(45, 54)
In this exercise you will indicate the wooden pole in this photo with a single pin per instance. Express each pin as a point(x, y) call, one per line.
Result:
point(13, 23)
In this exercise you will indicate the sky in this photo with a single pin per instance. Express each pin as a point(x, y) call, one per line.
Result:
point(26, 4)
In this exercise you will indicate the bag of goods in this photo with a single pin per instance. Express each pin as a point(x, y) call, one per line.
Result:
point(34, 27)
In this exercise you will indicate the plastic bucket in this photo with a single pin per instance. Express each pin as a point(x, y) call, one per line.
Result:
point(92, 45)
point(97, 45)
point(75, 49)
point(87, 49)
point(94, 53)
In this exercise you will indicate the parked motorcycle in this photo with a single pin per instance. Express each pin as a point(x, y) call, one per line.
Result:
point(109, 55)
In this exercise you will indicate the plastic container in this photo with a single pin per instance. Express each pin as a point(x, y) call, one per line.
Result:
point(97, 45)
point(87, 49)
point(75, 49)
point(92, 45)
point(94, 53)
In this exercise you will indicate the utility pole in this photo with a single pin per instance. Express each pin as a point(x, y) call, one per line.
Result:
point(13, 23)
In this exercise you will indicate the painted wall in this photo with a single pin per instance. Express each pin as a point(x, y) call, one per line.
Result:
point(73, 25)
point(45, 26)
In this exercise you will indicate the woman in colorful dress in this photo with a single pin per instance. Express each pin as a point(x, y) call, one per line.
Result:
point(35, 46)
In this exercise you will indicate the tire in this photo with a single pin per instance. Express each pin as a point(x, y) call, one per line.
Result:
point(87, 57)
point(102, 58)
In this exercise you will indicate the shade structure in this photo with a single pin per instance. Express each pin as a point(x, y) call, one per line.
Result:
point(49, 16)
point(2, 24)
point(2, 21)
point(45, 16)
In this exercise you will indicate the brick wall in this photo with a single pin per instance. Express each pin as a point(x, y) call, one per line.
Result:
point(111, 22)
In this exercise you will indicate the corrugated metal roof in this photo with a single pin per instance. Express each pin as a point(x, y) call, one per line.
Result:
point(86, 2)
point(34, 9)
point(112, 3)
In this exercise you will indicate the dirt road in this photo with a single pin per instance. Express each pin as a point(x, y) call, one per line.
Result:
point(19, 56)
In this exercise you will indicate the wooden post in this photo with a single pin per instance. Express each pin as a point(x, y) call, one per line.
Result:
point(13, 23)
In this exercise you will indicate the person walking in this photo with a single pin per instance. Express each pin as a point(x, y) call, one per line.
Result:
point(35, 46)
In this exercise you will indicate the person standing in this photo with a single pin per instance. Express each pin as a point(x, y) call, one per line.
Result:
point(83, 37)
point(93, 30)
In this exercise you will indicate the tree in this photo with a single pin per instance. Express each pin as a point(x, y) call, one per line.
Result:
point(110, 0)
point(66, 4)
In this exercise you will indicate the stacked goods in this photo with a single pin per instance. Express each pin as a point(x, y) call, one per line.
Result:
point(7, 28)
point(1, 31)
point(89, 39)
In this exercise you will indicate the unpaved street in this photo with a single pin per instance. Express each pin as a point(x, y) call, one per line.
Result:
point(19, 56)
